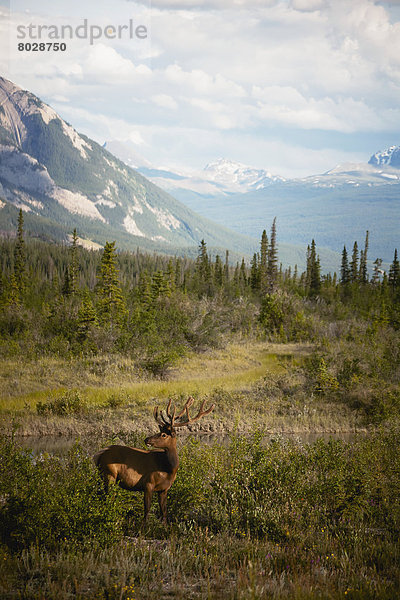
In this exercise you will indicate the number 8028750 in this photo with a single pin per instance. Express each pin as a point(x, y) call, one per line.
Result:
point(42, 46)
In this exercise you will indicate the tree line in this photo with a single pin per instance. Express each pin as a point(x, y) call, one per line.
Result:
point(61, 299)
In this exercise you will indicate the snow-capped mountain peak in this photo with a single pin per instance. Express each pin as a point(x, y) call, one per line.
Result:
point(228, 172)
point(390, 157)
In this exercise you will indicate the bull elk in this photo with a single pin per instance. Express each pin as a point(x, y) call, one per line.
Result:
point(149, 471)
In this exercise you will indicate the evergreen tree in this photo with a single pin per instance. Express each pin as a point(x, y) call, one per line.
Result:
point(70, 285)
point(218, 271)
point(313, 276)
point(254, 273)
point(394, 272)
point(203, 269)
point(344, 269)
point(363, 260)
point(170, 277)
point(20, 257)
point(226, 267)
point(377, 271)
point(86, 317)
point(263, 264)
point(144, 289)
point(354, 273)
point(112, 306)
point(243, 275)
point(272, 269)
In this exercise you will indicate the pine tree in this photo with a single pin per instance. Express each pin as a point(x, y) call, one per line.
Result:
point(243, 275)
point(354, 273)
point(170, 277)
point(263, 264)
point(86, 317)
point(112, 308)
point(254, 273)
point(377, 271)
point(344, 269)
point(313, 276)
point(159, 285)
point(363, 260)
point(272, 269)
point(226, 267)
point(218, 271)
point(70, 285)
point(20, 257)
point(203, 268)
point(394, 272)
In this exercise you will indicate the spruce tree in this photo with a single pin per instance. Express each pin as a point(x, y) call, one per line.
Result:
point(272, 269)
point(243, 275)
point(226, 267)
point(344, 269)
point(263, 265)
point(218, 271)
point(112, 308)
point(70, 285)
point(313, 276)
point(363, 260)
point(203, 268)
point(394, 272)
point(254, 273)
point(86, 317)
point(20, 257)
point(354, 273)
point(377, 270)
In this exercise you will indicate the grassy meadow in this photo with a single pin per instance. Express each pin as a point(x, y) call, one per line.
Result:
point(91, 342)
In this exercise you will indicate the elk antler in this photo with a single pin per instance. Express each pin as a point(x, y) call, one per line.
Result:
point(171, 417)
point(200, 414)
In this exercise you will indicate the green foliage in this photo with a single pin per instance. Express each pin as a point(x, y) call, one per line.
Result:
point(111, 308)
point(283, 491)
point(323, 382)
point(70, 403)
point(50, 501)
point(271, 314)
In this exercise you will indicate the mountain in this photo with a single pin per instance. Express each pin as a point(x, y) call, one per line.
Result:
point(391, 157)
point(63, 180)
point(335, 208)
point(222, 176)
point(236, 177)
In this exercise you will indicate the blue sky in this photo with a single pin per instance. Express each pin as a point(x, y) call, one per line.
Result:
point(293, 86)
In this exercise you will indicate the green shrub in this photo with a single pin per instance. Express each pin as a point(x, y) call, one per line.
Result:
point(69, 403)
point(47, 500)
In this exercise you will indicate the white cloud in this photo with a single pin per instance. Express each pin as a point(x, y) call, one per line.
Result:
point(307, 5)
point(165, 101)
point(224, 70)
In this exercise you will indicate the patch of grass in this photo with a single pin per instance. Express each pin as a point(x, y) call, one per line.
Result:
point(248, 521)
point(99, 378)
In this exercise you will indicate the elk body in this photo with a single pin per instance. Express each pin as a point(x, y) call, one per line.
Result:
point(149, 471)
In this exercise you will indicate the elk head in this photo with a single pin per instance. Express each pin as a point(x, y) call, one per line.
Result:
point(169, 422)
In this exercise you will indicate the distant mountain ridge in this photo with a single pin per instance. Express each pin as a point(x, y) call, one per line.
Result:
point(64, 178)
point(391, 157)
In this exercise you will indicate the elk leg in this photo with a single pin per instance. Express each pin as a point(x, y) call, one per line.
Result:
point(162, 500)
point(148, 494)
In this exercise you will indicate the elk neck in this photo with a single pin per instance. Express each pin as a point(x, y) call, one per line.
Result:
point(170, 458)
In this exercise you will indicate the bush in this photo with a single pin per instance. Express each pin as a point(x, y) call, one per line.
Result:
point(47, 500)
point(69, 403)
point(283, 490)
